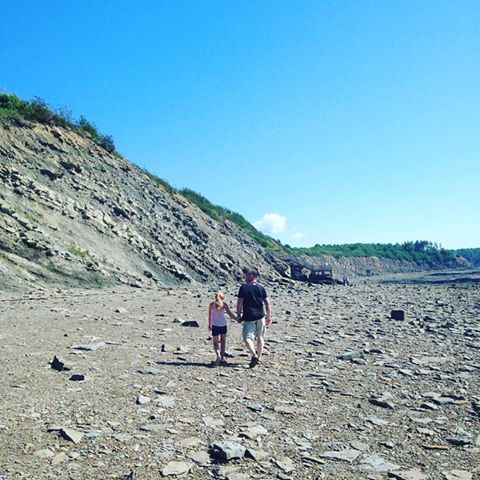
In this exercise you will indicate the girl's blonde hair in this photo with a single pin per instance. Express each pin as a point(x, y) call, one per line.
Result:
point(219, 296)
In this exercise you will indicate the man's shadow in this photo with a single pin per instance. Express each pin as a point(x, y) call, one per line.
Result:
point(178, 363)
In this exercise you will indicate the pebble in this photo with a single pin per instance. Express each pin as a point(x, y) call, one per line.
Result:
point(143, 400)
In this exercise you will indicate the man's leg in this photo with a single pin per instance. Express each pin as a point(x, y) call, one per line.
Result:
point(248, 337)
point(251, 346)
point(260, 337)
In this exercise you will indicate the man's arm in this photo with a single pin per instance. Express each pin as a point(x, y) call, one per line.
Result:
point(239, 307)
point(268, 307)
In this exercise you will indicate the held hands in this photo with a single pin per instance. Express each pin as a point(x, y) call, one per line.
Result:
point(268, 320)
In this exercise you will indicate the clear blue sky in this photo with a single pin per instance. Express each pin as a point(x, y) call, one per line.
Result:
point(356, 121)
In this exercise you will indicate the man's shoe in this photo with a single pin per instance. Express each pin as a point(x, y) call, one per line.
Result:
point(223, 362)
point(254, 361)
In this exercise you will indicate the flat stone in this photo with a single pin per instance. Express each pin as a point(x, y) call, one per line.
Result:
point(285, 464)
point(311, 459)
point(284, 409)
point(379, 464)
point(72, 435)
point(257, 455)
point(45, 453)
point(143, 400)
point(91, 347)
point(211, 422)
point(458, 475)
point(254, 432)
point(59, 458)
point(226, 451)
point(78, 377)
point(176, 468)
point(379, 422)
point(349, 455)
point(165, 401)
point(190, 442)
point(201, 458)
point(356, 355)
point(237, 476)
point(149, 371)
point(412, 474)
point(151, 427)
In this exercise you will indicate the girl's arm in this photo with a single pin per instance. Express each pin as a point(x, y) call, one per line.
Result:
point(229, 312)
point(210, 317)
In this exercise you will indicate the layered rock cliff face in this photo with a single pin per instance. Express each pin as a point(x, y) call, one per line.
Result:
point(73, 215)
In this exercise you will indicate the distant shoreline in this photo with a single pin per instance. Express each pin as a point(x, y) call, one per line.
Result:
point(433, 277)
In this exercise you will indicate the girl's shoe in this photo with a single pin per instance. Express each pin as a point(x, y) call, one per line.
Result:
point(215, 363)
point(223, 362)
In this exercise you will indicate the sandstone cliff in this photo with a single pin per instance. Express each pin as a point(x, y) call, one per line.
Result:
point(72, 214)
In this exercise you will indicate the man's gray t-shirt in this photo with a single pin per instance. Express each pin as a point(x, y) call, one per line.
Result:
point(253, 296)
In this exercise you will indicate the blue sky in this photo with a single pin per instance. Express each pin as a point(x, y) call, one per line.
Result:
point(321, 121)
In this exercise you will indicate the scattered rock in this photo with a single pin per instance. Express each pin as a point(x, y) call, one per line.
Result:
point(59, 458)
point(412, 474)
point(458, 475)
point(176, 468)
point(143, 400)
point(72, 435)
point(349, 455)
point(45, 453)
point(379, 464)
point(285, 464)
point(397, 315)
point(226, 451)
point(90, 347)
point(58, 363)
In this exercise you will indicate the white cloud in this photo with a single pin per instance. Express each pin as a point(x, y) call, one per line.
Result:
point(272, 223)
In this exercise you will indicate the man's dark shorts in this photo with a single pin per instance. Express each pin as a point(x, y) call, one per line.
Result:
point(218, 330)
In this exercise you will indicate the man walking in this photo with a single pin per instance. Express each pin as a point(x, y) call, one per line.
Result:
point(252, 298)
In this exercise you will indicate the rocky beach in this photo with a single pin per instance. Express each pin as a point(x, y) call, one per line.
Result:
point(116, 383)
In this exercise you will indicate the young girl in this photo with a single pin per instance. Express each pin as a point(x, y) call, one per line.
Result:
point(217, 323)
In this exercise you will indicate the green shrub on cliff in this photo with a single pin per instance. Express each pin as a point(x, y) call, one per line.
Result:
point(39, 111)
point(220, 213)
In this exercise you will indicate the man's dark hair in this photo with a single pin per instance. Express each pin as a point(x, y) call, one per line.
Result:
point(251, 271)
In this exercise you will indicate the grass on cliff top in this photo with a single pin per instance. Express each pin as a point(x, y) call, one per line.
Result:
point(217, 213)
point(220, 213)
point(421, 252)
point(13, 107)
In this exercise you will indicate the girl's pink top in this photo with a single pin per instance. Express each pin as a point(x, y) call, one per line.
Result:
point(218, 317)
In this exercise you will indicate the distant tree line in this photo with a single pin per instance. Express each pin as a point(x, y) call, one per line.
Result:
point(39, 111)
point(419, 251)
